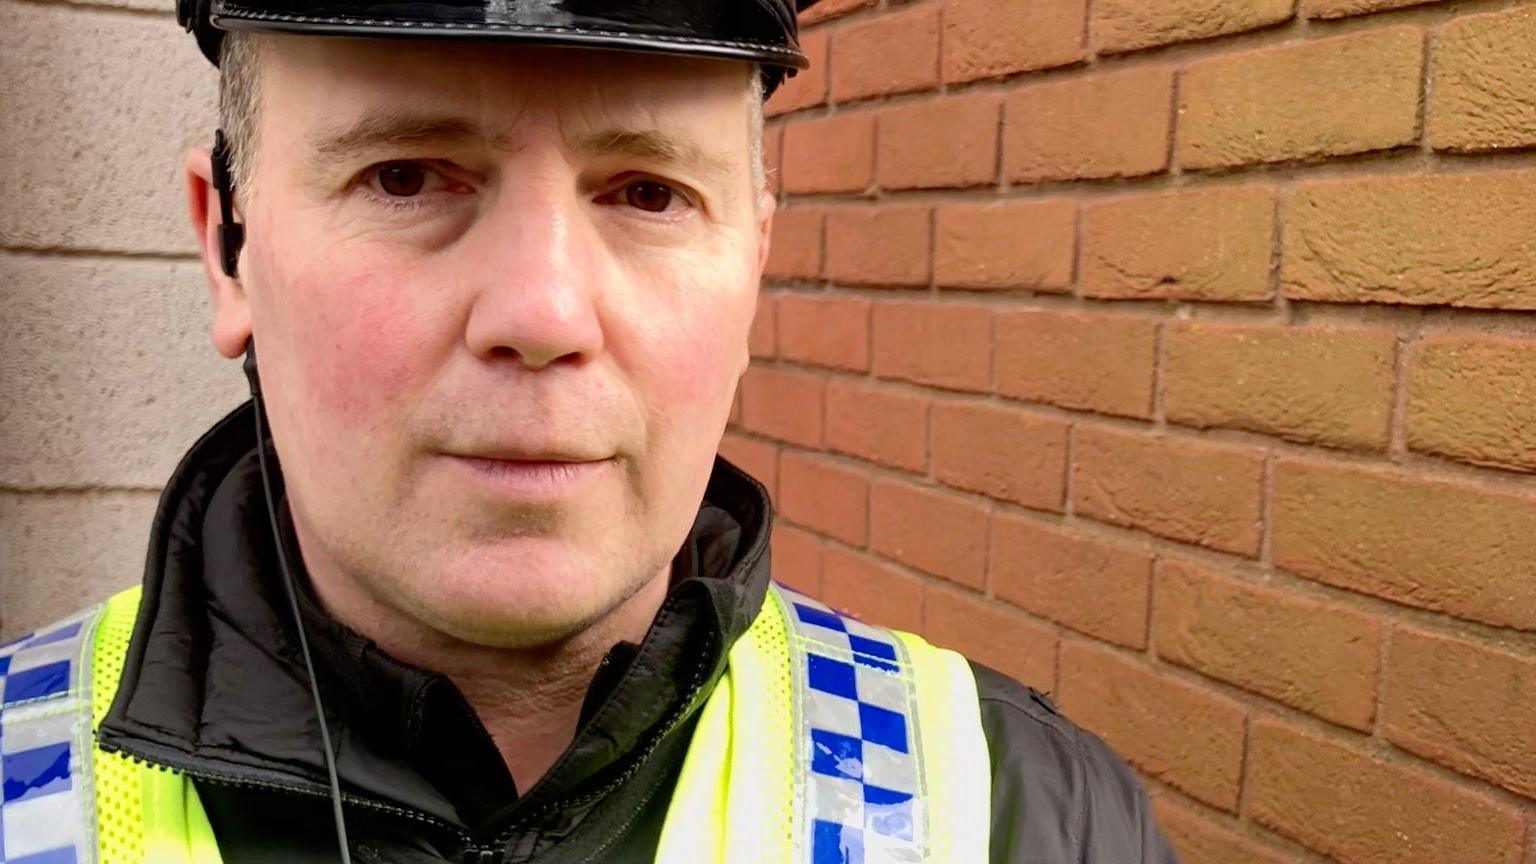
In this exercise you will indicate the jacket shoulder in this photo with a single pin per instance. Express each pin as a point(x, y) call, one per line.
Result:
point(45, 664)
point(1059, 793)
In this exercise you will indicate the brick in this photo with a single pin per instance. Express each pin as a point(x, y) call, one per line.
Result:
point(1327, 385)
point(1017, 245)
point(932, 531)
point(1101, 589)
point(871, 591)
point(106, 374)
point(795, 249)
point(1465, 706)
point(1197, 493)
point(758, 458)
point(1000, 452)
point(1453, 239)
point(1184, 736)
point(1451, 548)
point(1077, 360)
point(1203, 245)
point(782, 404)
point(945, 143)
point(1474, 399)
point(941, 344)
point(762, 339)
point(825, 497)
point(828, 9)
point(808, 87)
point(1484, 96)
point(986, 38)
point(991, 635)
point(1098, 126)
point(834, 154)
point(1320, 657)
point(70, 79)
point(879, 424)
point(825, 331)
point(796, 558)
point(1126, 25)
point(895, 53)
point(1344, 8)
point(884, 246)
point(1200, 841)
point(1330, 97)
point(67, 550)
point(1359, 810)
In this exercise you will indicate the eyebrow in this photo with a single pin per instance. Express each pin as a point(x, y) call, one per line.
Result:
point(392, 128)
point(398, 129)
point(654, 145)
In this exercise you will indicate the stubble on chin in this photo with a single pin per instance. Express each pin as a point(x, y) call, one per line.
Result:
point(526, 521)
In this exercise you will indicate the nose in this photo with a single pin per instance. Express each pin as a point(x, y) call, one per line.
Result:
point(539, 293)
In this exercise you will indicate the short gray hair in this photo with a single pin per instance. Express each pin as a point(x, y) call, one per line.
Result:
point(755, 118)
point(240, 96)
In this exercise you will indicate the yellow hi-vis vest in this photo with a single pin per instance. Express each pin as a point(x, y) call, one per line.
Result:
point(827, 741)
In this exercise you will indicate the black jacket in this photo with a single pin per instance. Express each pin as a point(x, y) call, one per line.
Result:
point(213, 687)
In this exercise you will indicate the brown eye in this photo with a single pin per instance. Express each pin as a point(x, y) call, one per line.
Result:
point(402, 179)
point(649, 196)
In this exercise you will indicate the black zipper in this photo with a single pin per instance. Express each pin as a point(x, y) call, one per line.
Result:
point(473, 853)
point(679, 714)
point(684, 710)
point(314, 791)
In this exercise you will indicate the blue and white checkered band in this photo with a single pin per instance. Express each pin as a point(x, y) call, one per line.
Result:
point(858, 773)
point(47, 809)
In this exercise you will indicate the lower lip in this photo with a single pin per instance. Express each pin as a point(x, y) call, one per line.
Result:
point(533, 479)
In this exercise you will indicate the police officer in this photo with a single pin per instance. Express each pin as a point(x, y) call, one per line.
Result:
point(465, 580)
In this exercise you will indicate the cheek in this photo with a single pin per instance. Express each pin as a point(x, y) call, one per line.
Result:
point(359, 337)
point(696, 346)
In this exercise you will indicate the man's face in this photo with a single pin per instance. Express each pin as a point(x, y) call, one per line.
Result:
point(501, 298)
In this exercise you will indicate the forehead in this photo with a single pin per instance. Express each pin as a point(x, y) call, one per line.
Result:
point(310, 80)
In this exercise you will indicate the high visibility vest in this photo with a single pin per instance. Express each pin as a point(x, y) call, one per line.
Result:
point(827, 741)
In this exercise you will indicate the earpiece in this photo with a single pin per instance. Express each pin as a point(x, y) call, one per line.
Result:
point(231, 233)
point(250, 371)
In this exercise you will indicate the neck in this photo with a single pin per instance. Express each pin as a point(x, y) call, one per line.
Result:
point(529, 699)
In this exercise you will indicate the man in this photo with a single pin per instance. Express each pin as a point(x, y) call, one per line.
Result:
point(486, 594)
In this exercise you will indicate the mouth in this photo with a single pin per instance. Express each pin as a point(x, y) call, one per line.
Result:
point(532, 477)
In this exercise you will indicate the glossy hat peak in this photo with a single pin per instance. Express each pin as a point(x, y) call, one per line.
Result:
point(758, 31)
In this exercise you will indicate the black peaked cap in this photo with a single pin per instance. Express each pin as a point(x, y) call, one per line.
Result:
point(758, 31)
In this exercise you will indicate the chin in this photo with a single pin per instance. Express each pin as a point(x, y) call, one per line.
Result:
point(542, 593)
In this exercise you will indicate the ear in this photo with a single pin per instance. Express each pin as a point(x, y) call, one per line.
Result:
point(231, 306)
point(767, 205)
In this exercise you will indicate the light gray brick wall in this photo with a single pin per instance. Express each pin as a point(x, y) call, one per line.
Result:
point(107, 373)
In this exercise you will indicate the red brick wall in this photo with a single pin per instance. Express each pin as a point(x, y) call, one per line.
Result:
point(1178, 357)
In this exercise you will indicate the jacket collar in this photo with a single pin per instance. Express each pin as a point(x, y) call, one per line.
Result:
point(213, 684)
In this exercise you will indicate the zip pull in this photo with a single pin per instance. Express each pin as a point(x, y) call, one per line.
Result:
point(482, 856)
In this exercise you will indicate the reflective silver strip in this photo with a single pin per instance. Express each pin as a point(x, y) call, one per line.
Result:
point(48, 811)
point(859, 772)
